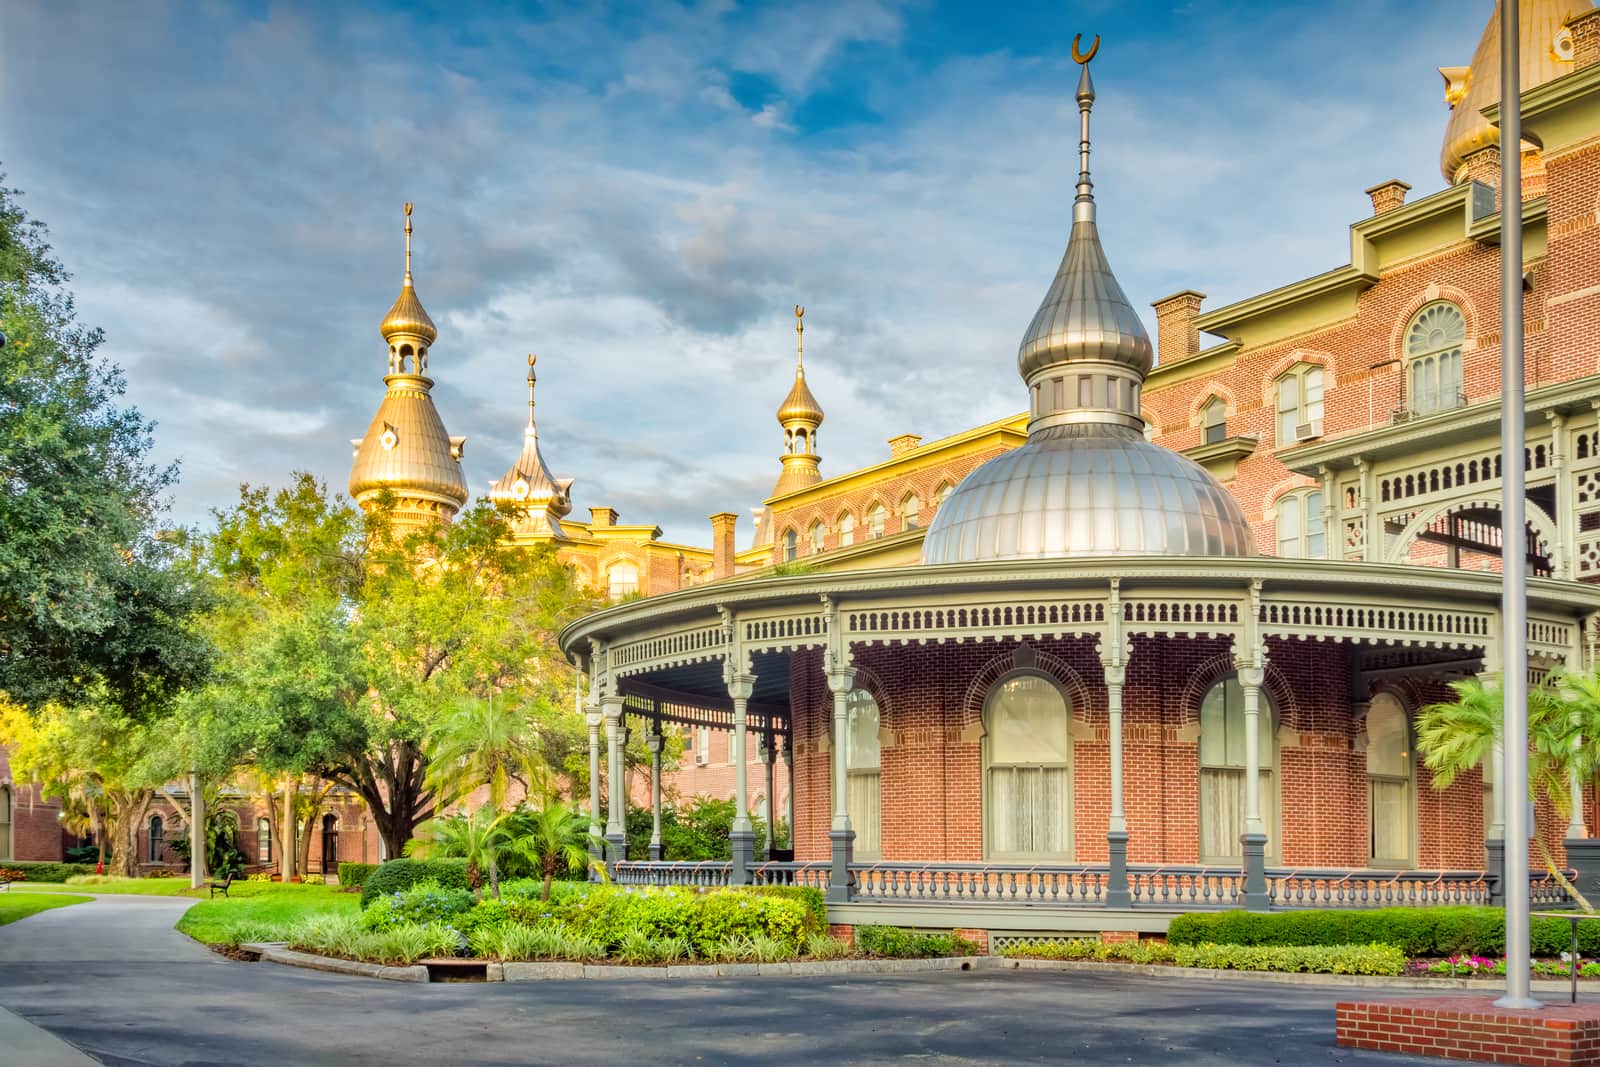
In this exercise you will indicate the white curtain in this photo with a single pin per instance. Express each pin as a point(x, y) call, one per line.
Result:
point(862, 798)
point(1028, 810)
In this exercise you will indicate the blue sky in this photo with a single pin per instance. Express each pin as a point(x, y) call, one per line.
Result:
point(640, 193)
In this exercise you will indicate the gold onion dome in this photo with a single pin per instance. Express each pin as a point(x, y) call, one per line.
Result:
point(529, 484)
point(1546, 52)
point(408, 317)
point(1086, 483)
point(800, 405)
point(407, 450)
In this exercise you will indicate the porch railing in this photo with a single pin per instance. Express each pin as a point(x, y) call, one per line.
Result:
point(1164, 887)
point(980, 882)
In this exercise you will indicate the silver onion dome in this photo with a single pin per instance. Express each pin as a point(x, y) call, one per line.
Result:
point(1086, 483)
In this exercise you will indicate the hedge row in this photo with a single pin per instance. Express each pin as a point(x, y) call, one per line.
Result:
point(1315, 959)
point(396, 875)
point(354, 875)
point(40, 871)
point(1442, 931)
point(896, 943)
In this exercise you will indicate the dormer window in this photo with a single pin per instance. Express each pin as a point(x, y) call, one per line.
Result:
point(1214, 421)
point(877, 519)
point(1299, 405)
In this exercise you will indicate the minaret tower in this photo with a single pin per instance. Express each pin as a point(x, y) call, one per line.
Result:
point(406, 452)
point(799, 416)
point(540, 499)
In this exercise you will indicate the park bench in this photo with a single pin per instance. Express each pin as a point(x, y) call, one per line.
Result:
point(223, 885)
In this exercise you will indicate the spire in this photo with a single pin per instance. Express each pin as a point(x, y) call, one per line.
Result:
point(800, 406)
point(541, 499)
point(407, 325)
point(1086, 352)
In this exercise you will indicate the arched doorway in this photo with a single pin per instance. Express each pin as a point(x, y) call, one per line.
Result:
point(330, 843)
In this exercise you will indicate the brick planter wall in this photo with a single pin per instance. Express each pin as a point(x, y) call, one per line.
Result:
point(1472, 1028)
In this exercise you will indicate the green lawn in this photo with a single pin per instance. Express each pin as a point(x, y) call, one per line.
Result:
point(262, 911)
point(94, 883)
point(15, 905)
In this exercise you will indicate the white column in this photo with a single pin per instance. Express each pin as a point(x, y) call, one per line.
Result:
point(1250, 680)
point(1115, 674)
point(1565, 550)
point(788, 773)
point(616, 829)
point(592, 718)
point(765, 742)
point(197, 834)
point(742, 837)
point(840, 683)
point(653, 741)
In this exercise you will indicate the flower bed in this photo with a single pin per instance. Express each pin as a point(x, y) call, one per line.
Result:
point(587, 923)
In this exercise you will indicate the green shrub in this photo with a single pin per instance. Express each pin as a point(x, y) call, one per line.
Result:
point(896, 943)
point(637, 947)
point(420, 904)
point(823, 947)
point(396, 875)
point(1317, 959)
point(735, 948)
point(347, 935)
point(43, 871)
point(816, 907)
point(1442, 931)
point(354, 875)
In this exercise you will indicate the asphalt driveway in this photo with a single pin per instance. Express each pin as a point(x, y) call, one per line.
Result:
point(114, 979)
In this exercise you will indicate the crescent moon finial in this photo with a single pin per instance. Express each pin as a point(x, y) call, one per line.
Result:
point(799, 312)
point(1081, 56)
point(532, 359)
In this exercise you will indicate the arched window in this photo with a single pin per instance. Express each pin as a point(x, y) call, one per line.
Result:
point(1027, 760)
point(1214, 421)
point(818, 536)
point(264, 840)
point(941, 494)
point(1299, 405)
point(910, 511)
point(1222, 773)
point(1300, 531)
point(877, 519)
point(330, 843)
point(1391, 815)
point(1433, 358)
point(158, 839)
point(863, 763)
point(791, 544)
point(847, 529)
point(6, 852)
point(622, 579)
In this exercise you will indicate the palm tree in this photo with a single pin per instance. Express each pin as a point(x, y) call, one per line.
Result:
point(477, 838)
point(555, 836)
point(484, 742)
point(1456, 736)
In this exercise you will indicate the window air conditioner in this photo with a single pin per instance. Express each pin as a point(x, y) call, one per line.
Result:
point(700, 759)
point(1308, 430)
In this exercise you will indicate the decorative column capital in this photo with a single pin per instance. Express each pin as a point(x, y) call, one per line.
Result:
point(841, 680)
point(653, 741)
point(592, 717)
point(741, 686)
point(1250, 675)
point(611, 707)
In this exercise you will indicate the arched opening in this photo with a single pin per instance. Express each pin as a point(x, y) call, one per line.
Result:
point(877, 520)
point(1467, 536)
point(818, 536)
point(1222, 772)
point(330, 843)
point(6, 848)
point(622, 579)
point(800, 442)
point(847, 528)
point(942, 493)
point(791, 544)
point(863, 774)
point(1027, 770)
point(1433, 357)
point(263, 840)
point(405, 357)
point(1299, 523)
point(158, 839)
point(1391, 791)
point(1214, 421)
point(910, 511)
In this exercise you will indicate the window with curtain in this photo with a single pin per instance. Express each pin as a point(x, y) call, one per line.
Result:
point(1299, 522)
point(264, 840)
point(863, 774)
point(1299, 405)
point(1389, 783)
point(941, 494)
point(877, 519)
point(791, 544)
point(1027, 757)
point(847, 529)
point(622, 579)
point(1214, 421)
point(5, 823)
point(1433, 356)
point(910, 511)
point(158, 839)
point(1222, 776)
point(818, 535)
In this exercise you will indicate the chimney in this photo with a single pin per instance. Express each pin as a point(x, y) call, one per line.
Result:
point(722, 544)
point(1386, 196)
point(1176, 334)
point(1585, 31)
point(599, 517)
point(899, 446)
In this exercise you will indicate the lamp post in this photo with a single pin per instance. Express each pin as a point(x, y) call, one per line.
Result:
point(1513, 535)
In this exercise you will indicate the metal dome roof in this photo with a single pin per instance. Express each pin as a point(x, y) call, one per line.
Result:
point(1081, 491)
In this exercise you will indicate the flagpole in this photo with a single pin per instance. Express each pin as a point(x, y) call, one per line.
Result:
point(1513, 529)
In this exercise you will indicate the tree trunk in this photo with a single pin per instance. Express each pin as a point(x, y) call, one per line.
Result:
point(286, 843)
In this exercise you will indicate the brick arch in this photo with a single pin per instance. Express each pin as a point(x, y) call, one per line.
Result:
point(1428, 294)
point(1051, 666)
point(1203, 397)
point(1292, 484)
point(867, 678)
point(1297, 357)
point(1211, 671)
